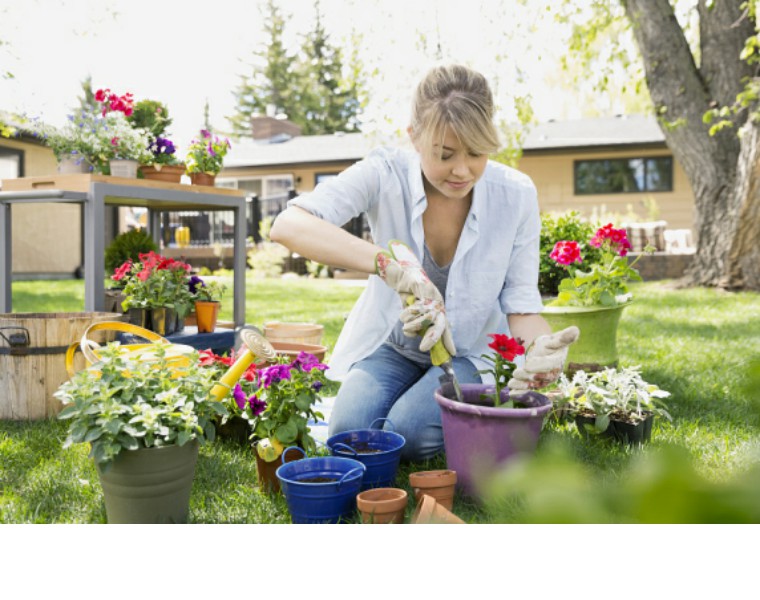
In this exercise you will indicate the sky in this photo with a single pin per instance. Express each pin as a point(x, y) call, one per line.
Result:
point(184, 53)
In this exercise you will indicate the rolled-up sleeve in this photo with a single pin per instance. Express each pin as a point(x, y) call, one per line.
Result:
point(520, 293)
point(352, 192)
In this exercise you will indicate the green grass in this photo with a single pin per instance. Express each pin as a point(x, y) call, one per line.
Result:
point(695, 343)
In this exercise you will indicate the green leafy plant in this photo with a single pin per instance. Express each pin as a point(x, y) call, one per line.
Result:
point(151, 115)
point(554, 228)
point(206, 153)
point(505, 350)
point(207, 292)
point(125, 403)
point(267, 259)
point(605, 283)
point(612, 394)
point(155, 282)
point(128, 246)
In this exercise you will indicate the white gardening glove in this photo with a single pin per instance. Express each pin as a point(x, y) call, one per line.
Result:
point(543, 361)
point(428, 318)
point(424, 313)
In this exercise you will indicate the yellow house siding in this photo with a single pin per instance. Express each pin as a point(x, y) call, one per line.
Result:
point(46, 237)
point(553, 177)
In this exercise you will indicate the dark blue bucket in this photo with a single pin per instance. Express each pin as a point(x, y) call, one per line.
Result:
point(322, 489)
point(377, 449)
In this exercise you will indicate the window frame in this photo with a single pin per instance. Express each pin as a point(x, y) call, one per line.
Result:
point(626, 159)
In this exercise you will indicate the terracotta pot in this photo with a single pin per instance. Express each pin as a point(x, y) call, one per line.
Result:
point(206, 314)
point(202, 179)
point(438, 484)
point(266, 472)
point(382, 505)
point(291, 349)
point(429, 511)
point(168, 173)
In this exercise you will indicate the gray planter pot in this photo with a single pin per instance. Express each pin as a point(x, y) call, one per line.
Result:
point(150, 485)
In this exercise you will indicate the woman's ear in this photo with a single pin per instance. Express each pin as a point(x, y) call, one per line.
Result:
point(410, 132)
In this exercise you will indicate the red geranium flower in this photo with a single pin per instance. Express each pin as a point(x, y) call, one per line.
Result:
point(616, 238)
point(122, 271)
point(566, 253)
point(506, 346)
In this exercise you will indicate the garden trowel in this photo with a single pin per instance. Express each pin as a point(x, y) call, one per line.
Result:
point(439, 356)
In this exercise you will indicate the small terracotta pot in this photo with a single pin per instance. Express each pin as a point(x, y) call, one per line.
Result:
point(206, 314)
point(382, 505)
point(266, 472)
point(429, 511)
point(438, 484)
point(202, 179)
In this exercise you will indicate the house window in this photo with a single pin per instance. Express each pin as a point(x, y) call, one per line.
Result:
point(624, 175)
point(11, 163)
point(320, 177)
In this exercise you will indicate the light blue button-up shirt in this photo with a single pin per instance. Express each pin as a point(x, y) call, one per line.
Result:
point(495, 268)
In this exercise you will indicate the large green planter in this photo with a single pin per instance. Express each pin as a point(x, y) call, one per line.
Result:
point(596, 347)
point(150, 485)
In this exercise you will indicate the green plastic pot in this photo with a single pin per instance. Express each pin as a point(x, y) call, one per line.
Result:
point(596, 347)
point(150, 485)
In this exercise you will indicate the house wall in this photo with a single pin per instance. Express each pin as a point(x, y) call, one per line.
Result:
point(304, 176)
point(46, 237)
point(553, 177)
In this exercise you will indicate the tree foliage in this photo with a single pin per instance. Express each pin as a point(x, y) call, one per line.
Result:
point(313, 88)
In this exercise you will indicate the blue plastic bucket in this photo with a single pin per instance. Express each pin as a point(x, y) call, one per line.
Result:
point(313, 501)
point(379, 450)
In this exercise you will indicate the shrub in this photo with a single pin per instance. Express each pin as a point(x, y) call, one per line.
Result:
point(554, 228)
point(267, 259)
point(128, 246)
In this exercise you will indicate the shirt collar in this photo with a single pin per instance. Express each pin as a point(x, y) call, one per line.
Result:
point(414, 178)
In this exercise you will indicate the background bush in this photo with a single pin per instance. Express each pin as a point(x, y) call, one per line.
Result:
point(126, 246)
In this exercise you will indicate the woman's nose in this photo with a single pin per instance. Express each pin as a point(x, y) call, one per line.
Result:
point(460, 168)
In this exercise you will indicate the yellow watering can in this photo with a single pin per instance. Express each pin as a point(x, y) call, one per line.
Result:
point(257, 349)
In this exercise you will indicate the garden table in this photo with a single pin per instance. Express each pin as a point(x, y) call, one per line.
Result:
point(94, 192)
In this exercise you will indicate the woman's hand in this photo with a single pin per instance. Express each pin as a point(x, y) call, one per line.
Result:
point(543, 361)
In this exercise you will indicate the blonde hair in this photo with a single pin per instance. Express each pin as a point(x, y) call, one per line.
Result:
point(459, 98)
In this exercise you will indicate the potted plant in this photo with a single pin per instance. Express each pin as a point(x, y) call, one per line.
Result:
point(124, 247)
point(205, 157)
point(161, 163)
point(617, 403)
point(208, 298)
point(288, 391)
point(156, 291)
point(593, 297)
point(490, 428)
point(150, 115)
point(144, 421)
point(74, 145)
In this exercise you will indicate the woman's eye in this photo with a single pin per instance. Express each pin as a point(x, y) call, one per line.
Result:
point(446, 156)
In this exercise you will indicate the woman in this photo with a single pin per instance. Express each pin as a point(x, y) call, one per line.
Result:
point(474, 226)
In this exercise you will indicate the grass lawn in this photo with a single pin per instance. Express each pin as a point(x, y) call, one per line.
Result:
point(694, 343)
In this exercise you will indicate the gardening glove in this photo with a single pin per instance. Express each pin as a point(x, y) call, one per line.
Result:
point(424, 314)
point(428, 319)
point(543, 361)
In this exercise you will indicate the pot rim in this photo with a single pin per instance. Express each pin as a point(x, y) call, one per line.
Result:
point(366, 503)
point(583, 309)
point(491, 411)
point(433, 479)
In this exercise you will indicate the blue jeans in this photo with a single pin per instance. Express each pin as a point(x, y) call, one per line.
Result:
point(388, 385)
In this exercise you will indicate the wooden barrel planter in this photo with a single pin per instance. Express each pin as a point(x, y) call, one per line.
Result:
point(32, 359)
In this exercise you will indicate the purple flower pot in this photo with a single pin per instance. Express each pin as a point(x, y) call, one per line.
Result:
point(480, 438)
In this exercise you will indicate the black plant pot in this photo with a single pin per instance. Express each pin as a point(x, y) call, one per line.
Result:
point(625, 433)
point(139, 317)
point(163, 320)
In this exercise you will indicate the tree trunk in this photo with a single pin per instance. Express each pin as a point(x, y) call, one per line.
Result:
point(721, 169)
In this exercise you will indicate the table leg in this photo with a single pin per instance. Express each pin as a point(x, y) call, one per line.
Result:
point(239, 257)
point(94, 250)
point(6, 273)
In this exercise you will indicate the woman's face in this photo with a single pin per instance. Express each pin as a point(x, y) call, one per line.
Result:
point(450, 168)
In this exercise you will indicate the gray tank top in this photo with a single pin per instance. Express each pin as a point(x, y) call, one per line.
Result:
point(410, 347)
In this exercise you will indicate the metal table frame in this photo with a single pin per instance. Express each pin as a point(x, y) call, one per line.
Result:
point(156, 197)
